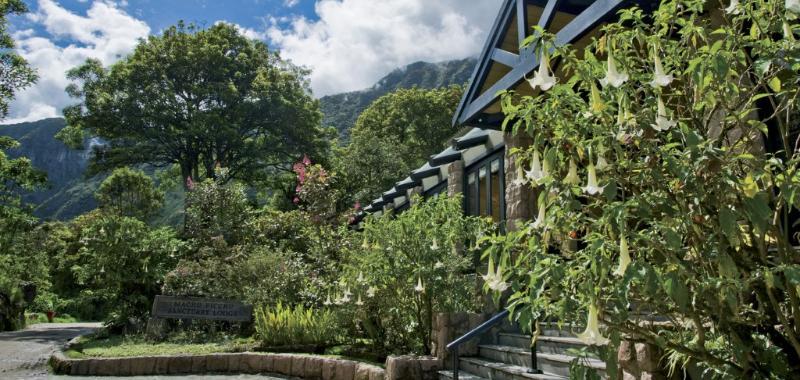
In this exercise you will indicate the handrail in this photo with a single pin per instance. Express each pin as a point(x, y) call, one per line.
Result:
point(485, 326)
point(478, 330)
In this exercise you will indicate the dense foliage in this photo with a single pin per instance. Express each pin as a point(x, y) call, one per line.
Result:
point(130, 193)
point(197, 98)
point(15, 74)
point(282, 326)
point(393, 136)
point(409, 267)
point(671, 172)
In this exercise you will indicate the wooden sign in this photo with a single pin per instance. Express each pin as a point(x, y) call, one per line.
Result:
point(173, 307)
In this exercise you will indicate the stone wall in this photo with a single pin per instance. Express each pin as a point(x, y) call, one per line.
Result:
point(640, 361)
point(520, 199)
point(448, 327)
point(413, 368)
point(455, 178)
point(293, 365)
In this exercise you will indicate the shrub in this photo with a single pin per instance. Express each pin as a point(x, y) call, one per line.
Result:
point(284, 326)
point(675, 209)
point(407, 268)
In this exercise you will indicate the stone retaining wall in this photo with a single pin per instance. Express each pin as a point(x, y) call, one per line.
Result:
point(293, 365)
point(448, 327)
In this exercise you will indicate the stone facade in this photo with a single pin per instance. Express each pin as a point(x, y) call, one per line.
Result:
point(455, 178)
point(520, 199)
point(448, 327)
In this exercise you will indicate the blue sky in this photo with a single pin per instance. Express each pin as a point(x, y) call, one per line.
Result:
point(347, 44)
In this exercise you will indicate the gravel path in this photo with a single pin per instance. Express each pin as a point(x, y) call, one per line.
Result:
point(24, 353)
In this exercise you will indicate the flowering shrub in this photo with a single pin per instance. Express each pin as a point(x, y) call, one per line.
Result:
point(650, 164)
point(408, 267)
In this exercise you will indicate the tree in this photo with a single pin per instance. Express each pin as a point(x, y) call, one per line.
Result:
point(197, 98)
point(650, 161)
point(130, 193)
point(394, 136)
point(15, 73)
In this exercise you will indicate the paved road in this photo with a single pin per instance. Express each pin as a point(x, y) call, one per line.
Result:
point(24, 354)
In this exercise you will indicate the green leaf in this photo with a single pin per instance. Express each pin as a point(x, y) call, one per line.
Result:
point(729, 225)
point(758, 212)
point(775, 84)
point(676, 290)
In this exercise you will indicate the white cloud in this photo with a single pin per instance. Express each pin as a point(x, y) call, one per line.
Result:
point(106, 33)
point(355, 42)
point(247, 32)
point(291, 3)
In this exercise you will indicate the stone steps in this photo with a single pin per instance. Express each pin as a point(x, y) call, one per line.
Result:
point(545, 344)
point(502, 371)
point(557, 364)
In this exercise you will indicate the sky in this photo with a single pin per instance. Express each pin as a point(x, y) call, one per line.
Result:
point(347, 44)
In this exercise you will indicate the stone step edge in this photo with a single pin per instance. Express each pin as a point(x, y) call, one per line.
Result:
point(511, 369)
point(292, 365)
point(461, 375)
point(547, 338)
point(588, 362)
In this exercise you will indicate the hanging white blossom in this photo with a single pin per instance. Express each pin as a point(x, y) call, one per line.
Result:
point(535, 174)
point(793, 6)
point(359, 302)
point(660, 78)
point(602, 164)
point(419, 288)
point(520, 180)
point(360, 278)
point(494, 279)
point(328, 301)
point(663, 122)
point(572, 177)
point(592, 187)
point(365, 244)
point(539, 222)
point(614, 78)
point(438, 265)
point(624, 257)
point(544, 78)
point(434, 245)
point(592, 335)
point(371, 291)
point(787, 31)
point(733, 8)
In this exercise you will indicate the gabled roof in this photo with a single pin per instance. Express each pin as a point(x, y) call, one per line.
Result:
point(503, 65)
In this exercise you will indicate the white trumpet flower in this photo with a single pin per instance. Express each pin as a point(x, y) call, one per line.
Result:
point(419, 288)
point(360, 278)
point(435, 245)
point(371, 291)
point(793, 6)
point(544, 78)
point(520, 180)
point(359, 302)
point(733, 8)
point(592, 335)
point(438, 265)
point(365, 244)
point(660, 78)
point(328, 301)
point(572, 177)
point(536, 174)
point(602, 164)
point(539, 222)
point(788, 33)
point(624, 257)
point(663, 122)
point(494, 279)
point(614, 78)
point(592, 187)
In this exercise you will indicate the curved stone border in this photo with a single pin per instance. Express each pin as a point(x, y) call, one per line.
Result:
point(292, 365)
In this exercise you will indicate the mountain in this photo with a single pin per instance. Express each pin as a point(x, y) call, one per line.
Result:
point(68, 193)
point(342, 110)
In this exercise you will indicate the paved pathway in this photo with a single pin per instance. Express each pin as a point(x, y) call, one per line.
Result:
point(24, 354)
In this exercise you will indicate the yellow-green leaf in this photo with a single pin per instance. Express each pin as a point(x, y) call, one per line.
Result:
point(775, 84)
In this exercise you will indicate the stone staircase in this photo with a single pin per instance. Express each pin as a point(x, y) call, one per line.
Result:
point(506, 355)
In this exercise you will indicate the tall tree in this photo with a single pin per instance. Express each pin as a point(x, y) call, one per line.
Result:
point(14, 70)
point(394, 135)
point(130, 193)
point(197, 98)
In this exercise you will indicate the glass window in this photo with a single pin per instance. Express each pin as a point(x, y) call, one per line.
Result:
point(484, 190)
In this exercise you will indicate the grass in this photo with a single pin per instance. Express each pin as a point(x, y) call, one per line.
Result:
point(116, 346)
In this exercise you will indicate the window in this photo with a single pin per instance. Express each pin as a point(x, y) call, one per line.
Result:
point(484, 190)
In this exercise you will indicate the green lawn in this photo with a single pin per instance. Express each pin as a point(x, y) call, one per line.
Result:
point(118, 346)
